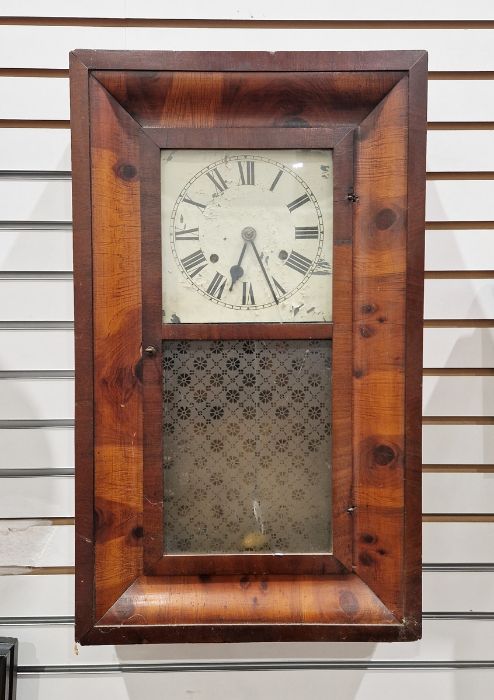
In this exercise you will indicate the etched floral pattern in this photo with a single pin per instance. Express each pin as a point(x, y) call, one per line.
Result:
point(247, 446)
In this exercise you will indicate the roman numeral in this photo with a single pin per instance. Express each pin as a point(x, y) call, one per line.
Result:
point(276, 180)
point(187, 234)
point(247, 294)
point(217, 180)
point(279, 287)
point(298, 262)
point(303, 199)
point(322, 268)
point(216, 286)
point(193, 263)
point(306, 232)
point(187, 200)
point(248, 178)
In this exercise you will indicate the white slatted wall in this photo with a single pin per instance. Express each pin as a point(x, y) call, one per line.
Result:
point(36, 352)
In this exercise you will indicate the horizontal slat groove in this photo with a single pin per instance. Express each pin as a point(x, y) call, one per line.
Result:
point(67, 175)
point(430, 567)
point(36, 325)
point(34, 124)
point(21, 473)
point(455, 225)
point(460, 175)
point(458, 518)
point(36, 571)
point(305, 665)
point(34, 72)
point(459, 323)
point(458, 468)
point(426, 468)
point(37, 226)
point(65, 124)
point(246, 23)
point(69, 374)
point(64, 73)
point(460, 126)
point(70, 570)
point(426, 517)
point(38, 175)
point(458, 420)
point(67, 225)
point(458, 372)
point(460, 75)
point(51, 423)
point(429, 420)
point(458, 274)
point(35, 275)
point(39, 374)
point(459, 567)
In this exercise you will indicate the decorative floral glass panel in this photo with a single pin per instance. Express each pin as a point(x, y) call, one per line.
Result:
point(247, 446)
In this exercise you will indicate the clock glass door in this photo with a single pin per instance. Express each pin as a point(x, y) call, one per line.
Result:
point(247, 239)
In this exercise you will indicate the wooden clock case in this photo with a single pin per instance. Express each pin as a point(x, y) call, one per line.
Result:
point(370, 108)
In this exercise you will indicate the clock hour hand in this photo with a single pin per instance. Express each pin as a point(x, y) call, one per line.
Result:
point(266, 276)
point(237, 271)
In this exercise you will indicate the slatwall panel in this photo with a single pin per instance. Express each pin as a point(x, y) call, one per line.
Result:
point(36, 352)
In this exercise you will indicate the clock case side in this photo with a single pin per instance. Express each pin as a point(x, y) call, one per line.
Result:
point(115, 602)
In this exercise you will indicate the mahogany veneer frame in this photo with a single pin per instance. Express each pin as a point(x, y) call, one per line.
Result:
point(371, 109)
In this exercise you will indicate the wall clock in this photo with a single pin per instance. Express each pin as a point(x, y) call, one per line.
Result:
point(248, 235)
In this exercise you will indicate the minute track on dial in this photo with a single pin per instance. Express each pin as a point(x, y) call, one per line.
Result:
point(211, 211)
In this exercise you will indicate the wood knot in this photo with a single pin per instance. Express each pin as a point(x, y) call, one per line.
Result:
point(366, 559)
point(383, 455)
point(125, 171)
point(385, 218)
point(368, 538)
point(358, 373)
point(368, 308)
point(295, 122)
point(366, 332)
point(138, 532)
point(244, 582)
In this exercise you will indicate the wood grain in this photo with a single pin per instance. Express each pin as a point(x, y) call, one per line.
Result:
point(379, 346)
point(203, 100)
point(246, 331)
point(247, 608)
point(117, 327)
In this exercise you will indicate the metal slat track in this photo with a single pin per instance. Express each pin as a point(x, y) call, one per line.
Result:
point(306, 665)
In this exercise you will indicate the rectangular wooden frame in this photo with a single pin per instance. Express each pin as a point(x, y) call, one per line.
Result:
point(339, 561)
point(369, 107)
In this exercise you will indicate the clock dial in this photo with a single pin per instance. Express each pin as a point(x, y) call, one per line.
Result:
point(247, 236)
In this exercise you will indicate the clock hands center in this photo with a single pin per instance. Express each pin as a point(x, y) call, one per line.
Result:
point(237, 271)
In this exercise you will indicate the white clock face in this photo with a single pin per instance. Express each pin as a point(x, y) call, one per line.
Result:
point(247, 235)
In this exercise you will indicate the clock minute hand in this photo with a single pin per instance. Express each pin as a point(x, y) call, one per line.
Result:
point(264, 271)
point(237, 271)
